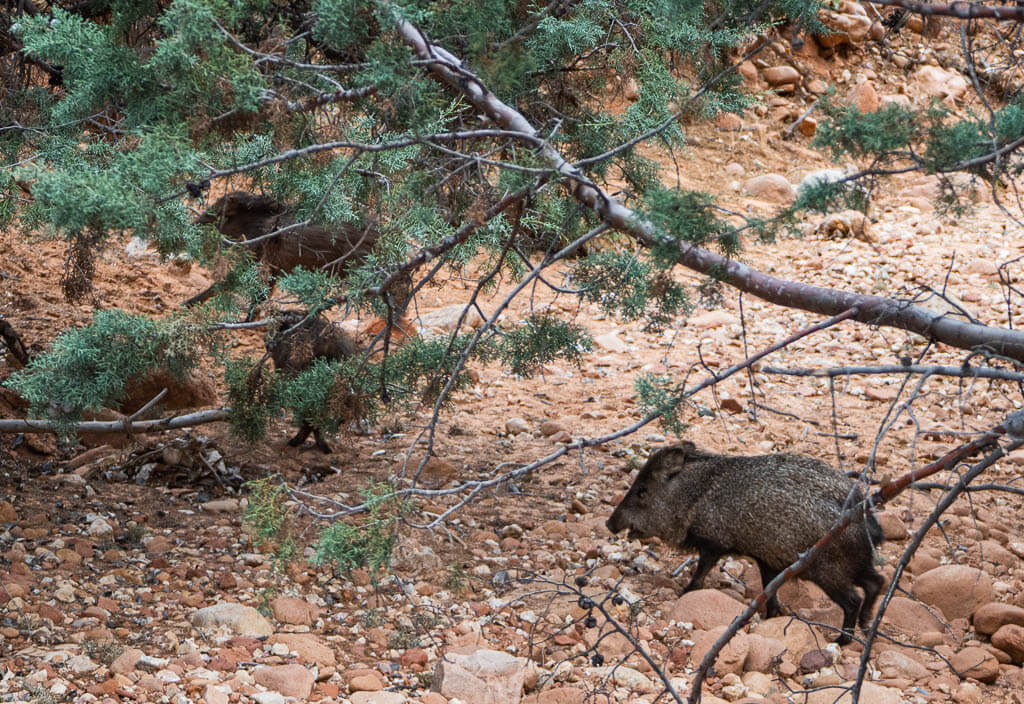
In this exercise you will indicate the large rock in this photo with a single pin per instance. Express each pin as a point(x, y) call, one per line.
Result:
point(976, 663)
point(448, 317)
point(939, 83)
point(956, 590)
point(896, 664)
point(290, 680)
point(990, 617)
point(798, 637)
point(309, 647)
point(705, 609)
point(910, 617)
point(781, 75)
point(482, 677)
point(773, 188)
point(295, 611)
point(870, 693)
point(1010, 639)
point(237, 618)
point(731, 659)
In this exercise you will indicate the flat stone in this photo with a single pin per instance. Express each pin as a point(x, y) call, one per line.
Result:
point(237, 618)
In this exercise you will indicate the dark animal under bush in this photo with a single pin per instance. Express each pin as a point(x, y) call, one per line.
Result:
point(769, 507)
point(295, 350)
point(244, 216)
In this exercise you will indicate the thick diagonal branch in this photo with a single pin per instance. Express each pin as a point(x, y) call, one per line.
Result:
point(873, 310)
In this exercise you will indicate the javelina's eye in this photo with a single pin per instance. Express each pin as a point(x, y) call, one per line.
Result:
point(641, 492)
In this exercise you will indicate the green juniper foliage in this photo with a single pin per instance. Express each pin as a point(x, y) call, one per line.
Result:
point(347, 546)
point(93, 366)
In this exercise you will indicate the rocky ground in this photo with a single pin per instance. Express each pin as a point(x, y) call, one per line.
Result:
point(127, 573)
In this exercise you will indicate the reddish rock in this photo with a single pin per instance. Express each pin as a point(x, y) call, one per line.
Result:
point(482, 677)
point(893, 527)
point(289, 680)
point(51, 613)
point(910, 617)
point(762, 652)
point(895, 663)
point(956, 590)
point(1010, 639)
point(413, 656)
point(990, 617)
point(780, 75)
point(309, 647)
point(814, 660)
point(7, 512)
point(864, 97)
point(558, 695)
point(364, 679)
point(729, 121)
point(976, 663)
point(731, 659)
point(773, 188)
point(705, 609)
point(432, 698)
point(364, 683)
point(126, 661)
point(292, 610)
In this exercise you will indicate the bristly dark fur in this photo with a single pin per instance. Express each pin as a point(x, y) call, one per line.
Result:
point(770, 507)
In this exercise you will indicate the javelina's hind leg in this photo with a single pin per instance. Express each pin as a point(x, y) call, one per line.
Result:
point(300, 437)
point(771, 607)
point(850, 602)
point(321, 443)
point(709, 554)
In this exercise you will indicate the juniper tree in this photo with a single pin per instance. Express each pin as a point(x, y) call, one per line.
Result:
point(478, 132)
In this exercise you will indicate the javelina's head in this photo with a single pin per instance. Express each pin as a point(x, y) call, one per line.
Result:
point(239, 205)
point(646, 510)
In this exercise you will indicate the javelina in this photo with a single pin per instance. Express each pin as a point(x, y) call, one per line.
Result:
point(244, 216)
point(295, 350)
point(770, 508)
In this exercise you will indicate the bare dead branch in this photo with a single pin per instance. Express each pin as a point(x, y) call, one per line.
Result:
point(964, 371)
point(116, 426)
point(959, 10)
point(873, 310)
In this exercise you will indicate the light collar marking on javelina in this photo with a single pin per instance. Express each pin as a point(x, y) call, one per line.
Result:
point(770, 507)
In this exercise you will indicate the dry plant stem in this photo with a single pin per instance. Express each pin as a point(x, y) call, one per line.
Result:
point(947, 500)
point(116, 426)
point(873, 310)
point(1013, 425)
point(959, 10)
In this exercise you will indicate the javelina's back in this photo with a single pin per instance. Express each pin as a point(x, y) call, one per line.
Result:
point(244, 216)
point(769, 507)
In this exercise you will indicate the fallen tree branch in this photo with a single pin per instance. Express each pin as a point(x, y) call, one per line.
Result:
point(872, 310)
point(116, 426)
point(959, 10)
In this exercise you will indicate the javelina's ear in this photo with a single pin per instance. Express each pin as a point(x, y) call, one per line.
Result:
point(668, 462)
